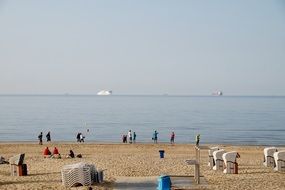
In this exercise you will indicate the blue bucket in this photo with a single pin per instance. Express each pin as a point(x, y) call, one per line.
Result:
point(164, 183)
point(161, 153)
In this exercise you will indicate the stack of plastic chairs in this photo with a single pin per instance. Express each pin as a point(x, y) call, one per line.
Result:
point(219, 163)
point(279, 158)
point(211, 158)
point(268, 156)
point(80, 173)
point(230, 162)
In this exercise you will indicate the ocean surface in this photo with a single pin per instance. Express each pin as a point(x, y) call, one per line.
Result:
point(225, 119)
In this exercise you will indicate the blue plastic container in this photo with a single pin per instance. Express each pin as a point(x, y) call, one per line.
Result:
point(164, 183)
point(161, 153)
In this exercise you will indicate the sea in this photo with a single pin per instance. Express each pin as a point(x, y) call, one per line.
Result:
point(237, 120)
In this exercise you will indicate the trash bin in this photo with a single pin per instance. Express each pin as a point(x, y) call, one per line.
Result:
point(161, 153)
point(164, 183)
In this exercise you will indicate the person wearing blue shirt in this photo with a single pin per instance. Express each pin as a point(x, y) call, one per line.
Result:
point(154, 136)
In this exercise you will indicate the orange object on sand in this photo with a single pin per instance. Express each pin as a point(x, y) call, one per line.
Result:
point(55, 151)
point(47, 152)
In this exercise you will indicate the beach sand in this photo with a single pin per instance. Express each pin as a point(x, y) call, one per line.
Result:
point(136, 160)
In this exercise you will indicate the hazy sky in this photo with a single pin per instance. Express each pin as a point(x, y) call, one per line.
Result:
point(142, 47)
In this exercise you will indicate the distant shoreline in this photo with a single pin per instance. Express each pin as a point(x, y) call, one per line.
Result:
point(138, 143)
point(139, 95)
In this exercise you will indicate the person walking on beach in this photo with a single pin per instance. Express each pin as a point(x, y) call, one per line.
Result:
point(172, 136)
point(48, 137)
point(78, 137)
point(130, 136)
point(40, 137)
point(134, 137)
point(197, 139)
point(154, 136)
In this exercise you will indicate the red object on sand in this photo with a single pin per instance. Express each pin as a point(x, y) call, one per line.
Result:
point(46, 151)
point(55, 151)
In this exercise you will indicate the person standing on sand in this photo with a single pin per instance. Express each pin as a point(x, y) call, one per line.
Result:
point(81, 137)
point(125, 139)
point(130, 136)
point(48, 137)
point(197, 139)
point(40, 137)
point(172, 136)
point(154, 136)
point(78, 137)
point(134, 137)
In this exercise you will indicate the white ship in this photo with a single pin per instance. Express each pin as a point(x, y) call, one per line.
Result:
point(217, 93)
point(104, 92)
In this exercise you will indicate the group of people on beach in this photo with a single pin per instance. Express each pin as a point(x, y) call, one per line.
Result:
point(155, 137)
point(80, 138)
point(55, 154)
point(130, 136)
point(40, 137)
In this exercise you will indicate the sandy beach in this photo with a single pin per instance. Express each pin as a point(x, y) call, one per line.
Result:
point(136, 160)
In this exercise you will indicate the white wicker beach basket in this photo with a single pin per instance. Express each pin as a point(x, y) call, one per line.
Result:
point(80, 173)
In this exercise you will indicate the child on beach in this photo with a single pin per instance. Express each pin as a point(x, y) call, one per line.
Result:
point(172, 136)
point(40, 137)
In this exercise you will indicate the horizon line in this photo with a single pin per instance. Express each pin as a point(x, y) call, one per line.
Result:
point(181, 95)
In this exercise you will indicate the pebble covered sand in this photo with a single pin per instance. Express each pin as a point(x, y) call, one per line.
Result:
point(136, 160)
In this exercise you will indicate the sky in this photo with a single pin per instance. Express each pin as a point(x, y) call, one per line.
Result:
point(177, 47)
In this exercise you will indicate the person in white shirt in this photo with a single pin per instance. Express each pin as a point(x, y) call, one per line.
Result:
point(130, 136)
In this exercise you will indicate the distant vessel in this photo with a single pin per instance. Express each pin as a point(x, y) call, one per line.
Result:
point(104, 92)
point(217, 93)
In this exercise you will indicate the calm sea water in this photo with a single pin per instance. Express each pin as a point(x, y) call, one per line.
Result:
point(235, 120)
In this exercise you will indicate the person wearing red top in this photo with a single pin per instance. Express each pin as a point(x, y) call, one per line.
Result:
point(55, 151)
point(47, 152)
